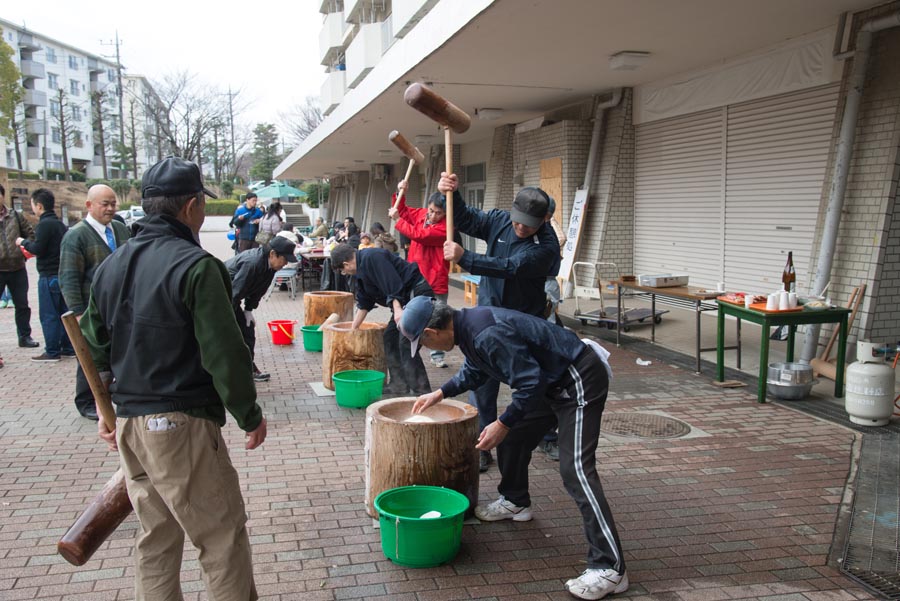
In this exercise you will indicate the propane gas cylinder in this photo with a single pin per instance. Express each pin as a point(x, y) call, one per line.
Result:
point(870, 387)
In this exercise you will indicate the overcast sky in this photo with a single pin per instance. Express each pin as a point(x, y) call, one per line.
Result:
point(267, 48)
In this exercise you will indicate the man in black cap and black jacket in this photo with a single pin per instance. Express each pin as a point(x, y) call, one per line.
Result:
point(383, 278)
point(522, 252)
point(160, 321)
point(556, 379)
point(251, 275)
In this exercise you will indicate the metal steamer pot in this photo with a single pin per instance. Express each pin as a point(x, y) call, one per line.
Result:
point(790, 381)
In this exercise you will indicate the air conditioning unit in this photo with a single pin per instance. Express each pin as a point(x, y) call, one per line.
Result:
point(380, 171)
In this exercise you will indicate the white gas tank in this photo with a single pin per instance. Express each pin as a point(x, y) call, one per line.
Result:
point(870, 387)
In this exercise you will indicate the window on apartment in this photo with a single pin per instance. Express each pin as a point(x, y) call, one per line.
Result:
point(54, 108)
point(10, 157)
point(74, 87)
point(76, 139)
point(55, 135)
point(76, 113)
point(73, 62)
point(111, 74)
point(52, 81)
point(50, 55)
point(56, 163)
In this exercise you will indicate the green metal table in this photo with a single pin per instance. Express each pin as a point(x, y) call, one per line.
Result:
point(792, 319)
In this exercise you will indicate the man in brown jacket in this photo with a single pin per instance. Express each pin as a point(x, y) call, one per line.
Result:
point(12, 267)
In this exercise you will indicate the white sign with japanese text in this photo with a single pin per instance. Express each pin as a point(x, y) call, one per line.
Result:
point(573, 232)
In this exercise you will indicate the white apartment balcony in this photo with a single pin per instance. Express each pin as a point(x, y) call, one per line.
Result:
point(36, 126)
point(27, 41)
point(34, 152)
point(352, 8)
point(333, 90)
point(331, 38)
point(364, 52)
point(35, 98)
point(31, 69)
point(329, 6)
point(407, 13)
point(94, 66)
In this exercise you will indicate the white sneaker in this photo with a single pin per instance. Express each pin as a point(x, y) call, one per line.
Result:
point(501, 509)
point(597, 583)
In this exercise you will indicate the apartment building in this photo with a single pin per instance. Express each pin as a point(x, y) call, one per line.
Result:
point(58, 77)
point(693, 137)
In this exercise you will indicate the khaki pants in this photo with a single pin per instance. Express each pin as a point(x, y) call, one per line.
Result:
point(182, 481)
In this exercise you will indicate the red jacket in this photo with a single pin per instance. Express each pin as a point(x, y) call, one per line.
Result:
point(426, 247)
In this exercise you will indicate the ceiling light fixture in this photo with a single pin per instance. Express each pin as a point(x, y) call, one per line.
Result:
point(488, 114)
point(628, 60)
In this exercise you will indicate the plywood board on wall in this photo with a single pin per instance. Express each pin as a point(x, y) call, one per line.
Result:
point(551, 183)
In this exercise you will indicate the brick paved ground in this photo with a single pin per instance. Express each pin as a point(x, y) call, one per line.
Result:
point(745, 510)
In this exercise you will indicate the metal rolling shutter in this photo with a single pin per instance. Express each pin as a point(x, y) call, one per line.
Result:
point(678, 196)
point(777, 151)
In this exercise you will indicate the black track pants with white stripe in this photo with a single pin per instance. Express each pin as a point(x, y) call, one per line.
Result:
point(577, 408)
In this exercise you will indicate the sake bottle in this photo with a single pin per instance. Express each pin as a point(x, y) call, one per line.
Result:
point(789, 277)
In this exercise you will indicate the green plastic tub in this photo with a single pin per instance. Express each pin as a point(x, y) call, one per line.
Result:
point(409, 539)
point(312, 338)
point(358, 388)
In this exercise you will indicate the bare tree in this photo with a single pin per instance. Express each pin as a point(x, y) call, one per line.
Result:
point(100, 115)
point(132, 134)
point(300, 120)
point(69, 133)
point(188, 112)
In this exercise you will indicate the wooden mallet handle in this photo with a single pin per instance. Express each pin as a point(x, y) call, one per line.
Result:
point(451, 117)
point(448, 163)
point(98, 388)
point(111, 506)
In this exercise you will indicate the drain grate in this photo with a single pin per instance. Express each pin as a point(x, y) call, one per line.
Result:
point(643, 425)
point(872, 554)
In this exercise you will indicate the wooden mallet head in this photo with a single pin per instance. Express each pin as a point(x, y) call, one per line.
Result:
point(408, 150)
point(435, 107)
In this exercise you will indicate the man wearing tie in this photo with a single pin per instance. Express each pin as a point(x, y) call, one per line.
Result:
point(84, 247)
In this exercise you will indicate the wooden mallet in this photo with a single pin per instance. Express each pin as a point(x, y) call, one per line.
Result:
point(112, 505)
point(450, 117)
point(409, 151)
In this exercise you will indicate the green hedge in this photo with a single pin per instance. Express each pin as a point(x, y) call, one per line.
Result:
point(221, 207)
point(60, 175)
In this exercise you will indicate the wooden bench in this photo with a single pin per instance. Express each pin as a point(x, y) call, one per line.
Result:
point(470, 289)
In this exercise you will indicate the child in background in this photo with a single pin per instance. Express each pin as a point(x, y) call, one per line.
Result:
point(6, 299)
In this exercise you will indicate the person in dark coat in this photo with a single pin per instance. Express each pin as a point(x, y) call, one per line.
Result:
point(383, 278)
point(251, 275)
point(522, 252)
point(12, 267)
point(557, 379)
point(47, 239)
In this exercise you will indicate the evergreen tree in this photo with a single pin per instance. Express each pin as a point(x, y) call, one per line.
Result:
point(265, 152)
point(11, 95)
